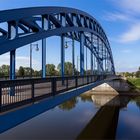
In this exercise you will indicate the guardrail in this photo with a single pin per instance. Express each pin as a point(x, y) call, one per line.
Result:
point(14, 93)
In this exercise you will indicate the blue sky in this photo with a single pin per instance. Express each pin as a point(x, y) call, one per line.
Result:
point(120, 20)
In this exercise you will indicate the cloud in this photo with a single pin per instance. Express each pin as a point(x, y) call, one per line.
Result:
point(117, 16)
point(20, 61)
point(126, 51)
point(123, 66)
point(133, 34)
point(130, 5)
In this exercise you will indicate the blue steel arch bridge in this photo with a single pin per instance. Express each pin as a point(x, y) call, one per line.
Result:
point(19, 27)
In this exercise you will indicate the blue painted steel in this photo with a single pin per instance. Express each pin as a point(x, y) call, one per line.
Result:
point(91, 55)
point(81, 53)
point(12, 65)
point(73, 57)
point(45, 27)
point(32, 31)
point(62, 56)
point(43, 58)
point(91, 59)
point(12, 71)
point(86, 61)
point(98, 48)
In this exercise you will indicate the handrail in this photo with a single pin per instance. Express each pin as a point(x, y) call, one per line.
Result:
point(14, 93)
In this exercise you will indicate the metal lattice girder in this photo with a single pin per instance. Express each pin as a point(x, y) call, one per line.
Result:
point(59, 20)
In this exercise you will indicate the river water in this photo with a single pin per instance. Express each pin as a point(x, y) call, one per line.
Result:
point(88, 116)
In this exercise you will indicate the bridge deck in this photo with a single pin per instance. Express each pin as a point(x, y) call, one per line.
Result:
point(15, 93)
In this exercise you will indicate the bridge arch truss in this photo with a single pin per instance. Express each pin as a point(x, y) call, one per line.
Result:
point(20, 27)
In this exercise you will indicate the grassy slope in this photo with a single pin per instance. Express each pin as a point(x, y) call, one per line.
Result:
point(135, 82)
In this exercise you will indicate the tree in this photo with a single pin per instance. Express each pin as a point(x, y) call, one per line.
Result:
point(28, 71)
point(5, 70)
point(138, 74)
point(68, 68)
point(50, 68)
point(68, 105)
point(127, 74)
point(36, 73)
point(21, 71)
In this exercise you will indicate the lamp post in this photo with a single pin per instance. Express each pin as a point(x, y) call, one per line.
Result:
point(31, 48)
point(73, 54)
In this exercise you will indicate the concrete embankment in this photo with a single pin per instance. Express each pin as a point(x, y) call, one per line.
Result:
point(115, 87)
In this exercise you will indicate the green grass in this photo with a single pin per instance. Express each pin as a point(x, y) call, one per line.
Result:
point(135, 82)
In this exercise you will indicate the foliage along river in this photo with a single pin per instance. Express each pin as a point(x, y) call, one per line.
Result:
point(88, 116)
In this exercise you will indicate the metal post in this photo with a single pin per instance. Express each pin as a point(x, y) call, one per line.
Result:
point(12, 65)
point(30, 60)
point(43, 58)
point(12, 71)
point(45, 27)
point(98, 45)
point(62, 58)
point(91, 55)
point(12, 33)
point(102, 59)
point(82, 54)
point(73, 58)
point(86, 60)
point(77, 64)
point(105, 58)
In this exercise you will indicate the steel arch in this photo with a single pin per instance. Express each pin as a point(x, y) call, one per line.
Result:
point(27, 25)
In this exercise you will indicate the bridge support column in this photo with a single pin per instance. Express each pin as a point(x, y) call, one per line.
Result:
point(91, 63)
point(98, 47)
point(91, 55)
point(12, 71)
point(45, 27)
point(73, 58)
point(12, 33)
point(82, 54)
point(43, 58)
point(62, 57)
point(12, 65)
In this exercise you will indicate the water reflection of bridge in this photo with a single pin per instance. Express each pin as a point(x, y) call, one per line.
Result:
point(104, 124)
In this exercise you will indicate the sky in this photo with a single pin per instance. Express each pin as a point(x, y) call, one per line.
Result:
point(119, 18)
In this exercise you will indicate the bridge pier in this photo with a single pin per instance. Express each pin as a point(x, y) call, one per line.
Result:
point(82, 53)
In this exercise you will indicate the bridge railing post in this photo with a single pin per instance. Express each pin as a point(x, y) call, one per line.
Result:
point(67, 82)
point(76, 81)
point(53, 81)
point(33, 91)
point(0, 98)
point(87, 79)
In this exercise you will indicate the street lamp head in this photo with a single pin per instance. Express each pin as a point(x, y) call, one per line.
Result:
point(37, 48)
point(66, 45)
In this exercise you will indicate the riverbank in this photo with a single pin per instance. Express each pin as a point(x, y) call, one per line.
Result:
point(120, 86)
point(135, 83)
